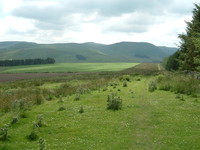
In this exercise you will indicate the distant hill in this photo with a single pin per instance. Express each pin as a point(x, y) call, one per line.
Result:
point(168, 50)
point(86, 52)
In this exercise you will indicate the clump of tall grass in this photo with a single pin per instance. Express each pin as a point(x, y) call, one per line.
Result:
point(42, 144)
point(81, 110)
point(152, 86)
point(105, 88)
point(40, 122)
point(125, 84)
point(21, 104)
point(125, 77)
point(14, 120)
point(34, 133)
point(4, 133)
point(114, 102)
point(33, 94)
point(61, 108)
point(77, 97)
point(179, 83)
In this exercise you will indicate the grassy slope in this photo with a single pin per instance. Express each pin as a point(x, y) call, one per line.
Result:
point(93, 52)
point(147, 121)
point(68, 67)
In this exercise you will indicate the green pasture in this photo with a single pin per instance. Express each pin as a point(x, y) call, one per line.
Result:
point(148, 120)
point(68, 67)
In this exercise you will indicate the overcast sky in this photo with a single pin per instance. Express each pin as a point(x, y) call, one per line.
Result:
point(102, 21)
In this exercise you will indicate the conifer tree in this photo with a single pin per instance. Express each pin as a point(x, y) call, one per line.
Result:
point(189, 58)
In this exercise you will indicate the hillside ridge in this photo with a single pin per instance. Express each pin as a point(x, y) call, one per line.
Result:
point(86, 52)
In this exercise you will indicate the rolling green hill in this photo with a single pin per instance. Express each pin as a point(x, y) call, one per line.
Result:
point(85, 52)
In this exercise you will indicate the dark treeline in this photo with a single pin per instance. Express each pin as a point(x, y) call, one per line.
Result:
point(34, 61)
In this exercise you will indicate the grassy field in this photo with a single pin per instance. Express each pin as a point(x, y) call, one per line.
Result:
point(156, 120)
point(68, 67)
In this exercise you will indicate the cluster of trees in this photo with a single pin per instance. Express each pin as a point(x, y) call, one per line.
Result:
point(35, 61)
point(188, 56)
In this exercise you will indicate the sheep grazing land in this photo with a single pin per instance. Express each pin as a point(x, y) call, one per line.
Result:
point(143, 107)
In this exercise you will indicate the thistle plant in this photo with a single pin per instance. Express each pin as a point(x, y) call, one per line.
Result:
point(4, 133)
point(42, 143)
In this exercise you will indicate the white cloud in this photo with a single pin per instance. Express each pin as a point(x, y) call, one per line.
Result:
point(105, 21)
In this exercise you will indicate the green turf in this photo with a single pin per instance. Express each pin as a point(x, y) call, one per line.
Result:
point(68, 67)
point(147, 121)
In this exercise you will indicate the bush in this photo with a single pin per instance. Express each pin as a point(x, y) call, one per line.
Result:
point(20, 104)
point(61, 108)
point(77, 97)
point(114, 102)
point(81, 110)
point(33, 135)
point(42, 143)
point(4, 133)
point(14, 120)
point(105, 88)
point(178, 83)
point(39, 99)
point(23, 114)
point(125, 84)
point(152, 86)
point(127, 78)
point(113, 84)
point(39, 122)
point(50, 97)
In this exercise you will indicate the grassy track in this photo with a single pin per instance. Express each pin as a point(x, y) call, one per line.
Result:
point(68, 67)
point(147, 121)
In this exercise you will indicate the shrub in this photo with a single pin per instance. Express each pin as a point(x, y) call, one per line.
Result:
point(83, 90)
point(14, 120)
point(138, 79)
point(105, 88)
point(179, 83)
point(20, 104)
point(114, 102)
point(81, 110)
point(39, 122)
point(125, 84)
point(33, 135)
point(152, 86)
point(42, 143)
point(165, 86)
point(23, 114)
point(127, 78)
point(61, 108)
point(50, 97)
point(113, 84)
point(77, 97)
point(4, 133)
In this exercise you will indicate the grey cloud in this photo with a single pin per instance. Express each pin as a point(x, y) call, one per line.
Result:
point(134, 23)
point(61, 15)
point(103, 7)
point(134, 28)
point(14, 32)
point(48, 14)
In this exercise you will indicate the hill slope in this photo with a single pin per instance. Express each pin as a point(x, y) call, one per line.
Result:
point(85, 52)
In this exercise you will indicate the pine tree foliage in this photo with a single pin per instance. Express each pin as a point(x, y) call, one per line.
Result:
point(189, 58)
